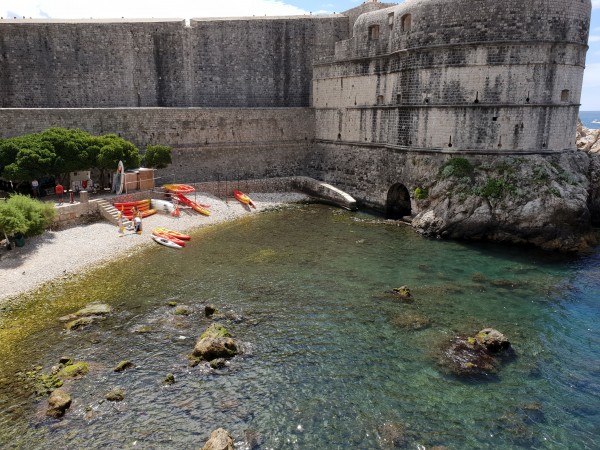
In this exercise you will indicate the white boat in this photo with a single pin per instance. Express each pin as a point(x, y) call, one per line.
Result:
point(165, 242)
point(595, 121)
point(162, 206)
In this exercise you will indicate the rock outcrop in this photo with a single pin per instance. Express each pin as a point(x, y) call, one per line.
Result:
point(588, 140)
point(530, 199)
point(219, 440)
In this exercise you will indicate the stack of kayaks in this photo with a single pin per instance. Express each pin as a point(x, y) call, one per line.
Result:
point(142, 206)
point(169, 238)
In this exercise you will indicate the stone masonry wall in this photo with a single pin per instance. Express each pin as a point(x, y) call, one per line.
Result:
point(247, 62)
point(207, 143)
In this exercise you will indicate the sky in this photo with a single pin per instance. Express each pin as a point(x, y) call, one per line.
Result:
point(186, 9)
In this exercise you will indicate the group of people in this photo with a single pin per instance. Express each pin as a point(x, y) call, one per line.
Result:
point(137, 221)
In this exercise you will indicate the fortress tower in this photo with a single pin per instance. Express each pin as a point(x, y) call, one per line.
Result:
point(478, 76)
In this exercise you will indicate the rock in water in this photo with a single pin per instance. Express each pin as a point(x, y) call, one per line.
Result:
point(493, 340)
point(115, 395)
point(212, 348)
point(58, 403)
point(219, 440)
point(210, 310)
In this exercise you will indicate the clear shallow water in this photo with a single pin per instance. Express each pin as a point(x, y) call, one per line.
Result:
point(327, 362)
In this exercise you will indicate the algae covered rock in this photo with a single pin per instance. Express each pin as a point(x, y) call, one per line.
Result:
point(493, 340)
point(123, 365)
point(115, 395)
point(218, 363)
point(74, 370)
point(169, 379)
point(182, 310)
point(476, 356)
point(219, 440)
point(215, 330)
point(401, 293)
point(212, 348)
point(412, 321)
point(58, 402)
point(79, 323)
point(93, 309)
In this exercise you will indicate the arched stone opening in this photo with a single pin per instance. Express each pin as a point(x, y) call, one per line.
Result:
point(398, 202)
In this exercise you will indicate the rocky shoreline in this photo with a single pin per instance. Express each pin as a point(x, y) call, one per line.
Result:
point(64, 254)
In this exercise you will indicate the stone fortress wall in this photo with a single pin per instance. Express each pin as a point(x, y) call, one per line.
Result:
point(309, 95)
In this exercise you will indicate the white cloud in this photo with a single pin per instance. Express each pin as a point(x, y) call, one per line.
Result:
point(596, 4)
point(185, 9)
point(594, 38)
point(590, 97)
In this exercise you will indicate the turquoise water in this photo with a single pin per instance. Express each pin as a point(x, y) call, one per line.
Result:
point(328, 360)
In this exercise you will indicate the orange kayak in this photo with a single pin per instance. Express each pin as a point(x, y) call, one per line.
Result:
point(195, 206)
point(185, 237)
point(179, 188)
point(243, 198)
point(157, 232)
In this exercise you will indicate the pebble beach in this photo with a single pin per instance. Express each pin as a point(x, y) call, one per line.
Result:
point(72, 251)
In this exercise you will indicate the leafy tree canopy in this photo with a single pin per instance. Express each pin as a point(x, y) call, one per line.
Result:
point(58, 151)
point(157, 156)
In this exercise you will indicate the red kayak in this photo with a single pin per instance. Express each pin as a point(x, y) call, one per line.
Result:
point(243, 198)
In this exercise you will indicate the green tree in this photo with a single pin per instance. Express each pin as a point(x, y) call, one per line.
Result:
point(113, 149)
point(157, 156)
point(26, 158)
point(72, 150)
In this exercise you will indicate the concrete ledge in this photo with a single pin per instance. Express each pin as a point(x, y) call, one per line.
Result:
point(325, 192)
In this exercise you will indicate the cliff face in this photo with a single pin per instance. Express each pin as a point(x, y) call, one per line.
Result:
point(543, 200)
point(587, 139)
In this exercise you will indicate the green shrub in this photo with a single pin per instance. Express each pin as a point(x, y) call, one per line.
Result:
point(495, 188)
point(157, 156)
point(457, 167)
point(421, 193)
point(23, 214)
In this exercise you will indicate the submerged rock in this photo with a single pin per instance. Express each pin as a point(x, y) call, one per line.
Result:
point(219, 440)
point(169, 379)
point(210, 310)
point(218, 363)
point(412, 321)
point(182, 310)
point(475, 356)
point(93, 309)
point(492, 340)
point(123, 365)
point(79, 323)
point(392, 435)
point(115, 395)
point(58, 402)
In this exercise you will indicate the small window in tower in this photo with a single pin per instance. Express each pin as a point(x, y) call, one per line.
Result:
point(398, 98)
point(380, 99)
point(374, 32)
point(391, 20)
point(406, 22)
point(564, 95)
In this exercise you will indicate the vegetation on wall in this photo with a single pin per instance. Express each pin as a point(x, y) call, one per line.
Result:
point(457, 167)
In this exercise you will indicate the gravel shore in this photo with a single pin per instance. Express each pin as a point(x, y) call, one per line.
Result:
point(61, 253)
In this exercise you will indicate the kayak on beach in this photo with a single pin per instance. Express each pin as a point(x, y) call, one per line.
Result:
point(243, 198)
point(195, 206)
point(161, 232)
point(185, 237)
point(179, 188)
point(166, 242)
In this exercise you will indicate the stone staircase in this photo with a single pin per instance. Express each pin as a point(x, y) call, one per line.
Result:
point(110, 213)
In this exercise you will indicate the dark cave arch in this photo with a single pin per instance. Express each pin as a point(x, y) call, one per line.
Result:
point(397, 204)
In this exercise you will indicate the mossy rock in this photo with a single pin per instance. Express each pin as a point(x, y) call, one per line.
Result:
point(172, 304)
point(123, 365)
point(75, 370)
point(93, 309)
point(215, 330)
point(115, 395)
point(182, 311)
point(169, 379)
point(412, 321)
point(40, 383)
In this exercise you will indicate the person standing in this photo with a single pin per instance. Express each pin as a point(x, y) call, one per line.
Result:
point(35, 188)
point(120, 223)
point(59, 190)
point(137, 222)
